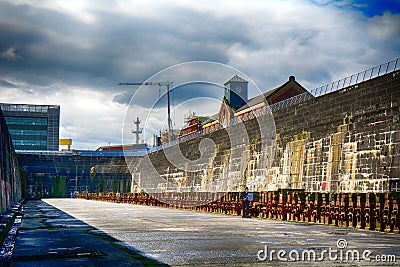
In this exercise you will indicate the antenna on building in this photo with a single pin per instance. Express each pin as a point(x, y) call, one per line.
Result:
point(138, 130)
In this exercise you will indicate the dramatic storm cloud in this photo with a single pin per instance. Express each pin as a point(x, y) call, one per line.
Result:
point(74, 53)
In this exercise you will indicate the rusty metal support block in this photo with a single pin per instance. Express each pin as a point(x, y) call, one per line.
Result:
point(374, 211)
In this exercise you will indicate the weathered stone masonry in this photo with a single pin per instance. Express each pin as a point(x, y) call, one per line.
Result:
point(336, 162)
point(345, 141)
point(353, 136)
point(12, 182)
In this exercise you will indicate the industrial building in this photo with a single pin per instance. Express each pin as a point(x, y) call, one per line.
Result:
point(33, 127)
point(235, 106)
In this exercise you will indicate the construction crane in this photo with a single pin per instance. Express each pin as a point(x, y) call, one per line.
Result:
point(167, 85)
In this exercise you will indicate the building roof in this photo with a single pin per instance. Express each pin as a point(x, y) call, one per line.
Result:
point(193, 116)
point(211, 119)
point(236, 78)
point(26, 107)
point(122, 147)
point(203, 118)
point(291, 87)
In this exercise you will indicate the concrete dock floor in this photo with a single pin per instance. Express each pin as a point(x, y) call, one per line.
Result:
point(76, 232)
point(51, 237)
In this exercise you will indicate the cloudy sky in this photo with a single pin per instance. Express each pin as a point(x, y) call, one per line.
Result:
point(74, 53)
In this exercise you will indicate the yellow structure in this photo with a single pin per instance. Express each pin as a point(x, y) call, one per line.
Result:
point(66, 142)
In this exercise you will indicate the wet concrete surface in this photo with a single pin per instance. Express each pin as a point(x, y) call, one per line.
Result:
point(51, 237)
point(181, 237)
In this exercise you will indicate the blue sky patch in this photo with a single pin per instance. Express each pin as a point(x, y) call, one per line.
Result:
point(369, 8)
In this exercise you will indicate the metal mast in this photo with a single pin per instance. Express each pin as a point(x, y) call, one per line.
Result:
point(167, 85)
point(138, 130)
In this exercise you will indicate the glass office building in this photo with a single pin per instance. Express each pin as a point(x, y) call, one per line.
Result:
point(33, 127)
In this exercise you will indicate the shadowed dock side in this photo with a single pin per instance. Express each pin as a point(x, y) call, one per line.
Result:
point(50, 237)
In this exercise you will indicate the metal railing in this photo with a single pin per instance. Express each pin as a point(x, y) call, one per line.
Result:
point(339, 84)
point(362, 76)
point(357, 78)
point(86, 153)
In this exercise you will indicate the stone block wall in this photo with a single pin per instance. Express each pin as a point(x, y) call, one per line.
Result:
point(342, 142)
point(10, 177)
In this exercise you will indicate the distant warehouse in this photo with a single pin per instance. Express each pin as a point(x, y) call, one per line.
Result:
point(33, 127)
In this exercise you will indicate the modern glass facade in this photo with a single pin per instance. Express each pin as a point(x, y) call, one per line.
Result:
point(33, 127)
